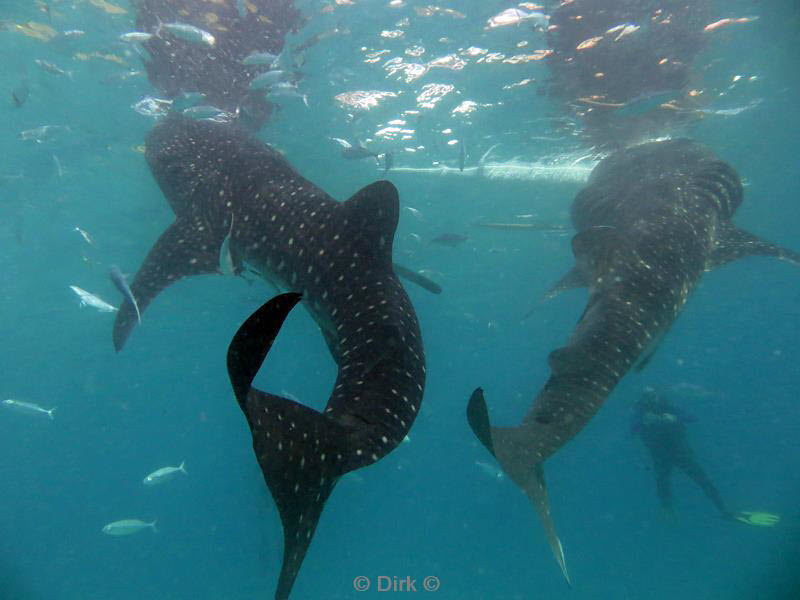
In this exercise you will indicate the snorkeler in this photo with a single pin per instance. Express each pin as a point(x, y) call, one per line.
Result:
point(662, 428)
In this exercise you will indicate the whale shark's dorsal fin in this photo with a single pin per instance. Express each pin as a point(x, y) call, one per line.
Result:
point(187, 247)
point(373, 213)
point(736, 243)
point(301, 452)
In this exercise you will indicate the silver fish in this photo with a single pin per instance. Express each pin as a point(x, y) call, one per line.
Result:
point(286, 90)
point(164, 474)
point(128, 527)
point(189, 33)
point(40, 134)
point(88, 299)
point(260, 58)
point(491, 470)
point(515, 16)
point(51, 68)
point(28, 408)
point(85, 235)
point(206, 111)
point(267, 79)
point(135, 37)
point(118, 279)
point(226, 264)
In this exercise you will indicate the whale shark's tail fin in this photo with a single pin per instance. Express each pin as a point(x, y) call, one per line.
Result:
point(514, 450)
point(187, 247)
point(301, 452)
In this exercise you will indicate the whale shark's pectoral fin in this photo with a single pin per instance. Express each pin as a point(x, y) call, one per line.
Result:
point(513, 447)
point(574, 278)
point(736, 243)
point(187, 247)
point(420, 280)
point(301, 452)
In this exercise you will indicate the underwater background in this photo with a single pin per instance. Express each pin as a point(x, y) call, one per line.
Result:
point(730, 360)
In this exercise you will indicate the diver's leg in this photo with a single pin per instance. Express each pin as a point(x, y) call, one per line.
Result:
point(663, 468)
point(687, 463)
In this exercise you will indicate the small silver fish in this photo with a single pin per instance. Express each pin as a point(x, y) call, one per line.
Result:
point(417, 214)
point(225, 257)
point(260, 58)
point(85, 235)
point(118, 279)
point(40, 134)
point(88, 299)
point(59, 168)
point(73, 33)
point(267, 79)
point(515, 16)
point(188, 100)
point(128, 527)
point(164, 474)
point(206, 111)
point(286, 90)
point(491, 470)
point(135, 37)
point(28, 408)
point(189, 33)
point(51, 68)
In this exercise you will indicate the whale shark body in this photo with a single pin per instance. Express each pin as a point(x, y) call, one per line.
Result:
point(651, 220)
point(226, 186)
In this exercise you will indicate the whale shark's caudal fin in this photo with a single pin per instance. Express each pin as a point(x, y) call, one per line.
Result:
point(187, 247)
point(514, 449)
point(301, 452)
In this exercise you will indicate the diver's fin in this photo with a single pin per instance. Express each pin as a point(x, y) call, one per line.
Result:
point(301, 452)
point(373, 212)
point(757, 518)
point(187, 247)
point(420, 280)
point(736, 243)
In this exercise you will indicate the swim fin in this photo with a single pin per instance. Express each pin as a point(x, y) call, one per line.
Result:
point(757, 518)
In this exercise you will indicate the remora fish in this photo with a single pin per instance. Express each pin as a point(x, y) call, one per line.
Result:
point(28, 407)
point(121, 283)
point(338, 254)
point(164, 474)
point(650, 222)
point(88, 299)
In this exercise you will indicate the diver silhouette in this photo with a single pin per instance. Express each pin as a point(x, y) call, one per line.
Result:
point(662, 428)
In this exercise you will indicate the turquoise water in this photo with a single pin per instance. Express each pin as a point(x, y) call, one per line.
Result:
point(427, 509)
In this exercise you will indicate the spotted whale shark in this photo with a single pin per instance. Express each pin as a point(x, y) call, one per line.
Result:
point(650, 221)
point(226, 186)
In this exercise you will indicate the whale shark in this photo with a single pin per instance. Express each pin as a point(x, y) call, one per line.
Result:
point(226, 186)
point(650, 221)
